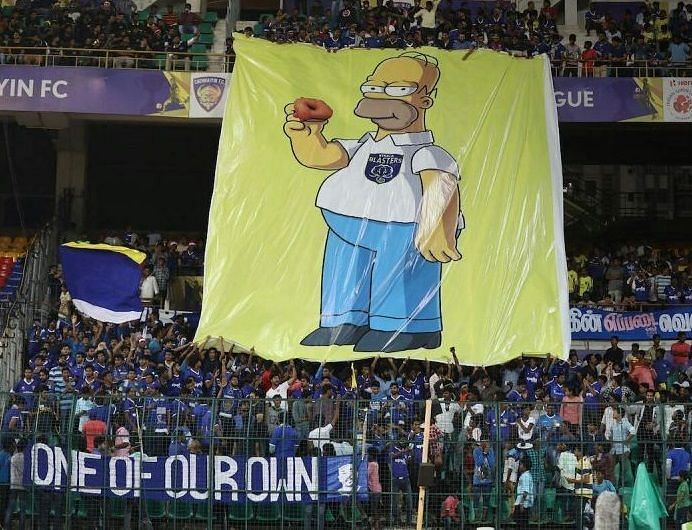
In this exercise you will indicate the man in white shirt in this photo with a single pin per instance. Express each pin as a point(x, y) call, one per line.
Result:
point(427, 19)
point(149, 288)
point(281, 389)
point(526, 424)
point(392, 209)
point(448, 409)
point(567, 463)
point(321, 436)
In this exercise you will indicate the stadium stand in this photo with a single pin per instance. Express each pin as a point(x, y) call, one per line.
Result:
point(630, 38)
point(12, 251)
point(105, 34)
point(143, 389)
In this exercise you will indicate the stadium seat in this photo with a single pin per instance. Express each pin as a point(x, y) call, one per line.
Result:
point(548, 509)
point(143, 15)
point(19, 242)
point(211, 17)
point(207, 38)
point(156, 509)
point(626, 496)
point(7, 11)
point(116, 508)
point(201, 511)
point(268, 513)
point(79, 507)
point(198, 48)
point(329, 516)
point(294, 512)
point(206, 27)
point(240, 512)
point(468, 508)
point(160, 61)
point(180, 511)
point(199, 62)
point(350, 513)
point(186, 36)
point(31, 503)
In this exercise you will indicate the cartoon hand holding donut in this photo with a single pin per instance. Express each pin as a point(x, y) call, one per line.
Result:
point(305, 118)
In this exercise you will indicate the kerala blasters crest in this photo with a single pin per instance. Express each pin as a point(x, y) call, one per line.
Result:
point(208, 91)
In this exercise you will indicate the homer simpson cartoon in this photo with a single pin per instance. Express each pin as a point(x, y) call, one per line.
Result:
point(392, 210)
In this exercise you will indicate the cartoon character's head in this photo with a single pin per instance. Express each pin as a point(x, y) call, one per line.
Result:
point(399, 91)
point(346, 478)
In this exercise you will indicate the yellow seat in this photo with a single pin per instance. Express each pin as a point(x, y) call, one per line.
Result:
point(19, 243)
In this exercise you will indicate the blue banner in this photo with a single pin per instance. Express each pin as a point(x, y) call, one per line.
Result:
point(186, 478)
point(597, 324)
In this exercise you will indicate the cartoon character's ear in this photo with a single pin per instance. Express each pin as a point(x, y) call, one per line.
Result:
point(426, 102)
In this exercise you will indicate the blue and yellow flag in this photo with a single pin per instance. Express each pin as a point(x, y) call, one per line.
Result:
point(379, 201)
point(103, 280)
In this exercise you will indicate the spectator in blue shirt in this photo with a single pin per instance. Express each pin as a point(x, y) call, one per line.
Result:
point(483, 475)
point(662, 366)
point(678, 460)
point(592, 20)
point(600, 485)
point(504, 424)
point(549, 424)
point(672, 293)
point(26, 386)
point(679, 51)
point(604, 50)
point(284, 440)
point(399, 458)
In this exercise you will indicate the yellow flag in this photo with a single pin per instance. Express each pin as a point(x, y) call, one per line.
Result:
point(378, 202)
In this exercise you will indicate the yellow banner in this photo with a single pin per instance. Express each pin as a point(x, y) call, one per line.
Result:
point(424, 214)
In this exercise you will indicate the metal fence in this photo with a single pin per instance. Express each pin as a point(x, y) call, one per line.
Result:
point(218, 62)
point(32, 300)
point(104, 58)
point(310, 463)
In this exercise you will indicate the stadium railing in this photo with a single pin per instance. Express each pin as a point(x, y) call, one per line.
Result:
point(637, 69)
point(217, 62)
point(245, 472)
point(17, 314)
point(103, 58)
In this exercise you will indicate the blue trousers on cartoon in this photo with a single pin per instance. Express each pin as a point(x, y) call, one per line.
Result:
point(374, 276)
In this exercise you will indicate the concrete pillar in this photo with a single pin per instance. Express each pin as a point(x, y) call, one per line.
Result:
point(571, 14)
point(70, 173)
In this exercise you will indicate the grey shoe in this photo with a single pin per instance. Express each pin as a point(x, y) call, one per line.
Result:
point(345, 334)
point(391, 341)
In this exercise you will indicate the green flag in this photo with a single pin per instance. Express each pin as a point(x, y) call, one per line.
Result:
point(646, 507)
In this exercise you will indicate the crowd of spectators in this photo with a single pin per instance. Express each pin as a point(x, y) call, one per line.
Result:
point(622, 45)
point(652, 37)
point(630, 277)
point(573, 427)
point(35, 27)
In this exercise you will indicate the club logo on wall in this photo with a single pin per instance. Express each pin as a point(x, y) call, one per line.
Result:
point(678, 99)
point(208, 91)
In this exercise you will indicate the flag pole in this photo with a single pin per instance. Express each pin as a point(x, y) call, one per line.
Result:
point(424, 460)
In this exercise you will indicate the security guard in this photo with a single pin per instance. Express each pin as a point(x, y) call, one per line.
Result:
point(392, 208)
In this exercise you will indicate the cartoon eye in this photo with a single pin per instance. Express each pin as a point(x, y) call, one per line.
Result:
point(399, 91)
point(371, 89)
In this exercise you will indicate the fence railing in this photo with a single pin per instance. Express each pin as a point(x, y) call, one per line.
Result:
point(111, 460)
point(31, 301)
point(104, 58)
point(608, 68)
point(216, 62)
